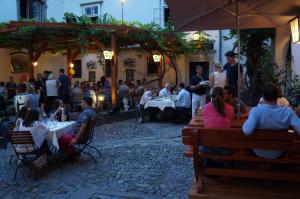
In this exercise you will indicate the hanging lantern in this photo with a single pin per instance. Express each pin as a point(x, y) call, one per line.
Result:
point(156, 58)
point(72, 71)
point(71, 65)
point(108, 54)
point(35, 63)
point(196, 36)
point(295, 29)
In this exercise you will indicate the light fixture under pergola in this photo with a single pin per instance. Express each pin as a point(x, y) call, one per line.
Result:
point(295, 29)
point(156, 58)
point(108, 54)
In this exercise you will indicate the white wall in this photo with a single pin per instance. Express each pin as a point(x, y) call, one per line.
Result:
point(296, 56)
point(282, 39)
point(8, 10)
point(134, 10)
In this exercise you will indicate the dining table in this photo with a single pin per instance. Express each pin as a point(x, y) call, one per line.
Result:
point(161, 103)
point(57, 129)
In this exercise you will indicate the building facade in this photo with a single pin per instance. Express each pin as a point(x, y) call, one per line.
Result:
point(144, 11)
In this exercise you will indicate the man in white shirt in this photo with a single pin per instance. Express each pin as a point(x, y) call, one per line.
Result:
point(183, 104)
point(146, 97)
point(165, 92)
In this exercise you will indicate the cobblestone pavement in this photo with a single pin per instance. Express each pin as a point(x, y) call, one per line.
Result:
point(138, 161)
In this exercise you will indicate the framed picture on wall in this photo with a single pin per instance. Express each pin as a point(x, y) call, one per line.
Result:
point(129, 74)
point(92, 76)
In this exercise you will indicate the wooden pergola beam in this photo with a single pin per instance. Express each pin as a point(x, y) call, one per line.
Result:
point(40, 51)
point(98, 43)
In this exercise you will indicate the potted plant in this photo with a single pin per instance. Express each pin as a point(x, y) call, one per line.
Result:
point(70, 17)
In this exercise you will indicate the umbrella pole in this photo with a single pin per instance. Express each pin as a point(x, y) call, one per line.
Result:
point(238, 56)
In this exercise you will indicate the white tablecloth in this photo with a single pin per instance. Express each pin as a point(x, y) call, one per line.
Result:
point(57, 129)
point(160, 103)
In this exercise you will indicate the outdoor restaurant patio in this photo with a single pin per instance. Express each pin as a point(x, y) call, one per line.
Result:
point(208, 136)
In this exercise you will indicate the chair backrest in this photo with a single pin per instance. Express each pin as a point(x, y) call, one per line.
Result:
point(22, 142)
point(21, 137)
point(89, 132)
point(234, 138)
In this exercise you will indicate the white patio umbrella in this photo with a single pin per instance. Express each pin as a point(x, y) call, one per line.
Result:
point(194, 15)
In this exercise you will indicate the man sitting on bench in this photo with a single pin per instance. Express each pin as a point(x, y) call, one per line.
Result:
point(270, 116)
point(67, 141)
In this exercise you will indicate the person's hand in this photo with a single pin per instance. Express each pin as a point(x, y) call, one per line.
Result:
point(73, 141)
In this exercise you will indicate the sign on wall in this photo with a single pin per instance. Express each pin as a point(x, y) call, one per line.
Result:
point(92, 76)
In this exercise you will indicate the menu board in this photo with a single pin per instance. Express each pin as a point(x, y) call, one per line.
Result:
point(92, 76)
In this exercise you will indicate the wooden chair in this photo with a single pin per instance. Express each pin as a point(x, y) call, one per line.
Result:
point(86, 140)
point(233, 138)
point(23, 145)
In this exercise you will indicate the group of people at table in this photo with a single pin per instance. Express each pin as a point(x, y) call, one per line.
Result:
point(30, 119)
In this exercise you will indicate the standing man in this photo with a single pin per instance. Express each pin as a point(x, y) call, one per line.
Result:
point(231, 68)
point(11, 88)
point(63, 84)
point(198, 89)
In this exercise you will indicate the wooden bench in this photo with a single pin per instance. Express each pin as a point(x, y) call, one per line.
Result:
point(234, 139)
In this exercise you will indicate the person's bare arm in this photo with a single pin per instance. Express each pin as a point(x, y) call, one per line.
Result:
point(211, 81)
point(79, 134)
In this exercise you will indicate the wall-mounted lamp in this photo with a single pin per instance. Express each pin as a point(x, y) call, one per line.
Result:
point(108, 54)
point(71, 65)
point(295, 30)
point(156, 58)
point(196, 36)
point(35, 63)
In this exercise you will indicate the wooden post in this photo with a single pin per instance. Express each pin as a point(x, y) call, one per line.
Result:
point(68, 60)
point(114, 69)
point(159, 72)
point(31, 67)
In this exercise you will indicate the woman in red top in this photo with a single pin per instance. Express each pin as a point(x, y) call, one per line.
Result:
point(217, 114)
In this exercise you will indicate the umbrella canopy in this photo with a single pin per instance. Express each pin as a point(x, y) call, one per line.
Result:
point(193, 15)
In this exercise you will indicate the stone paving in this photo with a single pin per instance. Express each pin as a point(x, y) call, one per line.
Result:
point(138, 161)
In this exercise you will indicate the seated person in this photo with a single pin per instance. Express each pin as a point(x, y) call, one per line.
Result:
point(165, 92)
point(183, 103)
point(67, 141)
point(269, 115)
point(281, 101)
point(38, 130)
point(32, 99)
point(233, 101)
point(217, 114)
point(21, 116)
point(145, 97)
point(58, 111)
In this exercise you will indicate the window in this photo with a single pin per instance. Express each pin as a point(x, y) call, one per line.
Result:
point(37, 10)
point(161, 14)
point(92, 10)
point(32, 9)
point(152, 67)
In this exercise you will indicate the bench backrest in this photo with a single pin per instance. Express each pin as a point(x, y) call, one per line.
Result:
point(234, 138)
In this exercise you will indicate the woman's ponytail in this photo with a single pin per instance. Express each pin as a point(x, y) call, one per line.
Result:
point(218, 100)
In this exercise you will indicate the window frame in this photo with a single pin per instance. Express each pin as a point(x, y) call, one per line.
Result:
point(92, 6)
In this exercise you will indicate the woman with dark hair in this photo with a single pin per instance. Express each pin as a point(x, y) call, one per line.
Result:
point(38, 130)
point(217, 114)
point(21, 116)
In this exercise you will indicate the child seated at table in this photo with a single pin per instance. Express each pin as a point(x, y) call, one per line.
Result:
point(58, 111)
